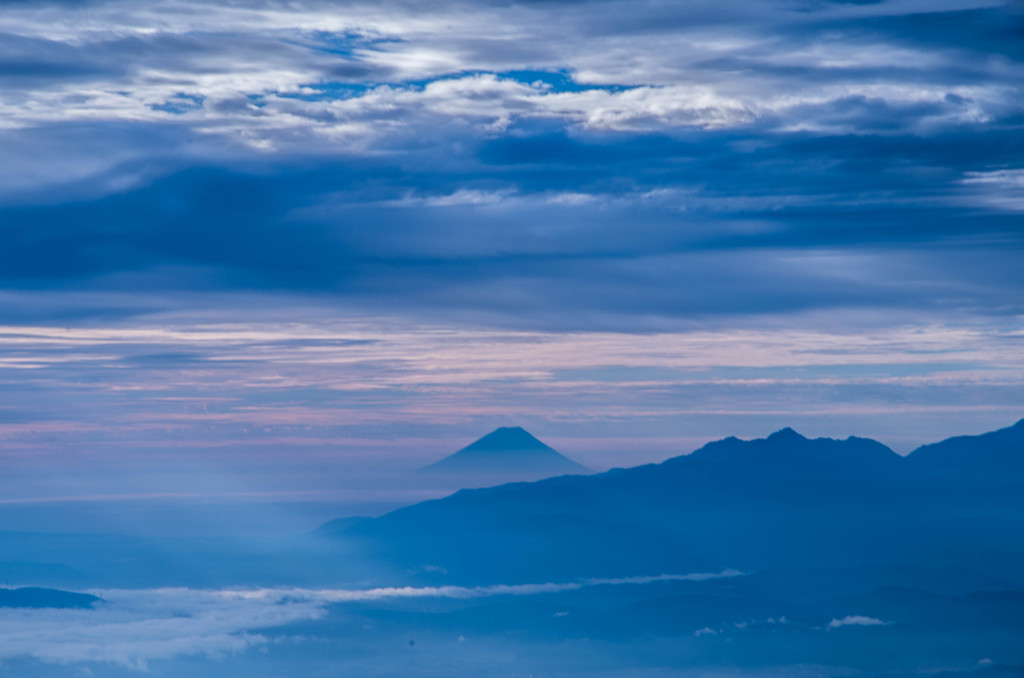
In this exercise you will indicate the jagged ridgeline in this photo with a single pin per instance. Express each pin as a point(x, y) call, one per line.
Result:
point(751, 505)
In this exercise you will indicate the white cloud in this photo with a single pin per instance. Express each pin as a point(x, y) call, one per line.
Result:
point(1003, 189)
point(462, 592)
point(855, 620)
point(258, 52)
point(134, 627)
point(466, 197)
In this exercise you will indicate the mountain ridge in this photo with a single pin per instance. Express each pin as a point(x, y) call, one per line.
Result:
point(36, 597)
point(744, 504)
point(1000, 447)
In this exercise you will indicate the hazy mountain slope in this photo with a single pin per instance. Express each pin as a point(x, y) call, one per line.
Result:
point(990, 453)
point(39, 597)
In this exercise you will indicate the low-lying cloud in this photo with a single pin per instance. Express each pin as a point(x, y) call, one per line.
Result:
point(133, 627)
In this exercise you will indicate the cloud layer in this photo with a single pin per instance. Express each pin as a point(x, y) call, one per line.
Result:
point(135, 627)
point(484, 160)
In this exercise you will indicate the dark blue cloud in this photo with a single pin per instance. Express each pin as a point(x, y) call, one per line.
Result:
point(352, 230)
point(975, 32)
point(510, 179)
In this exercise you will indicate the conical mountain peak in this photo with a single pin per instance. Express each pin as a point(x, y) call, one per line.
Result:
point(508, 438)
point(509, 450)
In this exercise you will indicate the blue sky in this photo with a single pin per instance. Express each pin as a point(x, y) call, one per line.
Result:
point(250, 247)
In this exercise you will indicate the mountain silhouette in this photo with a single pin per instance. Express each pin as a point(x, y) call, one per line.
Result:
point(35, 597)
point(788, 450)
point(507, 451)
point(779, 501)
point(733, 503)
point(981, 473)
point(997, 451)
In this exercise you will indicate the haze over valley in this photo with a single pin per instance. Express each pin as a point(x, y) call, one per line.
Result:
point(776, 555)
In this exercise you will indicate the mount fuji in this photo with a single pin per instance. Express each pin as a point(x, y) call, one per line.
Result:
point(505, 454)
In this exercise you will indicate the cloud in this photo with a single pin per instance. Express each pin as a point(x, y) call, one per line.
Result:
point(855, 620)
point(486, 247)
point(1002, 188)
point(465, 593)
point(219, 394)
point(133, 627)
point(277, 76)
point(277, 146)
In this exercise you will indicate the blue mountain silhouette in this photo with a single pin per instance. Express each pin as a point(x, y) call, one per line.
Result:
point(34, 597)
point(504, 451)
point(781, 501)
point(989, 453)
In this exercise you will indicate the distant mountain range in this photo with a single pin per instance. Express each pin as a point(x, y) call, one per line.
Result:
point(504, 455)
point(774, 502)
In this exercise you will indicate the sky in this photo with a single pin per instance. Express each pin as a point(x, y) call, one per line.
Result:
point(265, 250)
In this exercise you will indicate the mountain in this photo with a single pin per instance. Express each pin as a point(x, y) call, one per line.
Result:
point(732, 504)
point(510, 453)
point(38, 597)
point(977, 474)
point(781, 501)
point(989, 453)
point(787, 448)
